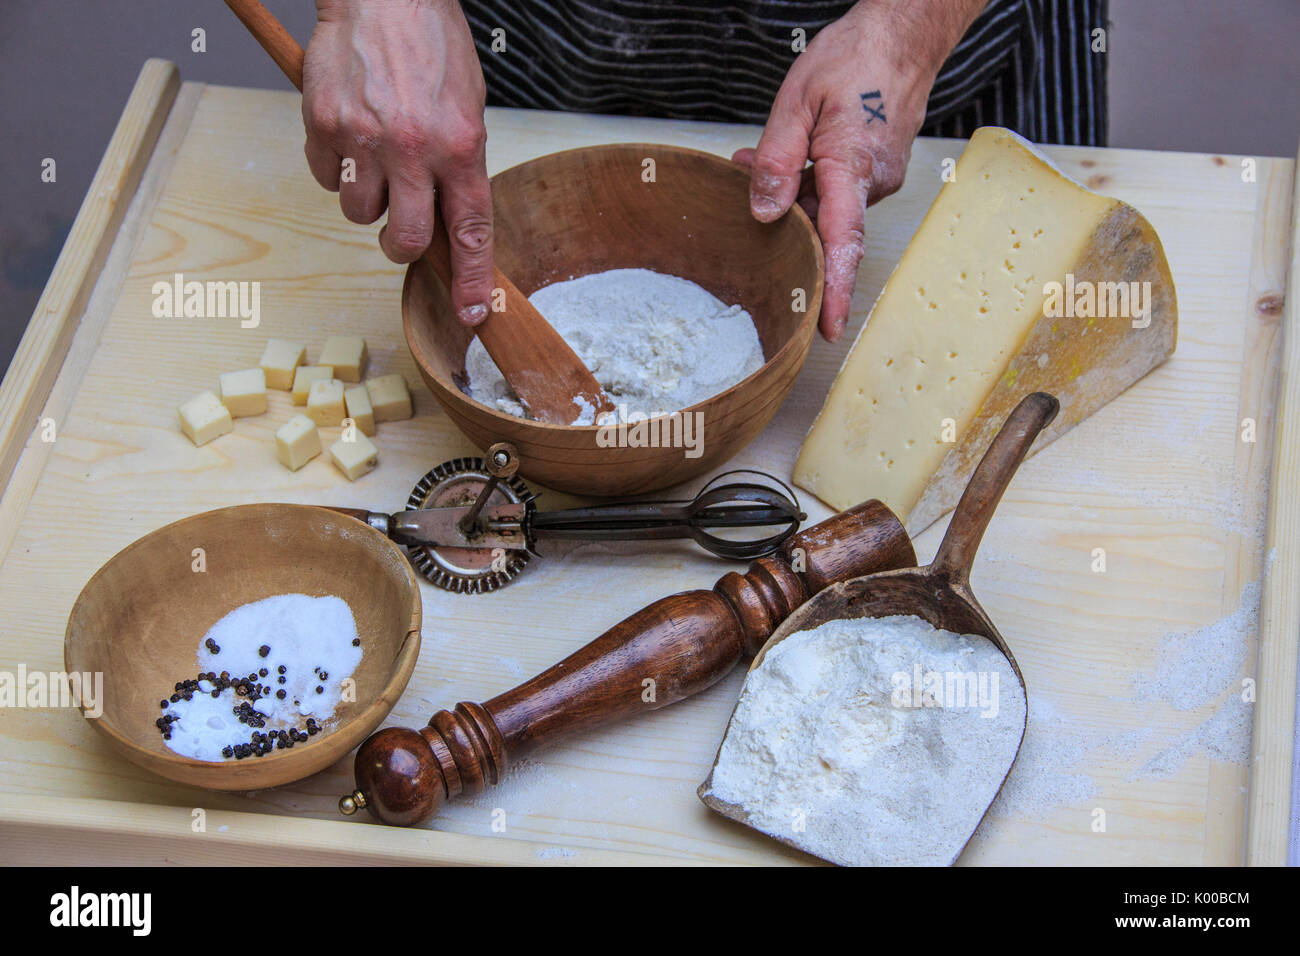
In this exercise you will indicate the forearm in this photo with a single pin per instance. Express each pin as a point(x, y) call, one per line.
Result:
point(332, 9)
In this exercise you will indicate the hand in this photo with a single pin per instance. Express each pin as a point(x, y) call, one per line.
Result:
point(396, 87)
point(852, 104)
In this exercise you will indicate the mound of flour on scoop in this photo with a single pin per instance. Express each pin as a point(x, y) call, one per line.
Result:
point(883, 739)
point(655, 343)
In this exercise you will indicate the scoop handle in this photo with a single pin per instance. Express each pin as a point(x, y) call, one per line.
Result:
point(994, 473)
point(665, 652)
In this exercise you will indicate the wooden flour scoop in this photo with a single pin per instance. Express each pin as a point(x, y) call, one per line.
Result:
point(939, 593)
point(543, 370)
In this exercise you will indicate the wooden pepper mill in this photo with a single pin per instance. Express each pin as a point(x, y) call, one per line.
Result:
point(683, 643)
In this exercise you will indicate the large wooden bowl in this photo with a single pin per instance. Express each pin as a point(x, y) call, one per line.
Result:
point(139, 621)
point(588, 210)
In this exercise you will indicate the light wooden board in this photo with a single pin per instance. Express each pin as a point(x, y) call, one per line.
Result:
point(1160, 479)
point(1274, 739)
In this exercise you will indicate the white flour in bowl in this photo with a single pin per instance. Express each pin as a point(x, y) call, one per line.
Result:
point(656, 343)
point(877, 741)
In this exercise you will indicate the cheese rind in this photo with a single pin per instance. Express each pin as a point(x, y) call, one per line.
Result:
point(244, 393)
point(354, 458)
point(297, 442)
point(325, 402)
point(346, 354)
point(965, 327)
point(389, 397)
point(357, 401)
point(204, 418)
point(304, 376)
point(279, 360)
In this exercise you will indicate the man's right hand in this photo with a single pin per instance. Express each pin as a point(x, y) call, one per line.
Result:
point(396, 87)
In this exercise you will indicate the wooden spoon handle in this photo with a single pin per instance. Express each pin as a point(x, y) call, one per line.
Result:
point(676, 647)
point(540, 366)
point(275, 39)
point(995, 471)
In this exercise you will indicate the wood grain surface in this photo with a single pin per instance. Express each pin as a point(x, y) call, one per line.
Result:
point(1160, 479)
point(1274, 737)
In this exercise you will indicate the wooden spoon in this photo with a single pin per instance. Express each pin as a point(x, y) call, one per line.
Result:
point(939, 593)
point(540, 366)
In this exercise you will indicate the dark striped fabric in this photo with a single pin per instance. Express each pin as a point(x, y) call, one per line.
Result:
point(1024, 64)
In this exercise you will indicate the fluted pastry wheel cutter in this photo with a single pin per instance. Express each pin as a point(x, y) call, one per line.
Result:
point(472, 525)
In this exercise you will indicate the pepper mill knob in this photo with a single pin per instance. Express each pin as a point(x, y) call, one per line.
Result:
point(398, 778)
point(354, 801)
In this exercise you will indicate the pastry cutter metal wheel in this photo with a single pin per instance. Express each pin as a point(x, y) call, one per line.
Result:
point(471, 524)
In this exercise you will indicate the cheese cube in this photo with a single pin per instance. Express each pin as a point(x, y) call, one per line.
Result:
point(389, 398)
point(354, 458)
point(973, 319)
point(279, 360)
point(325, 402)
point(203, 418)
point(297, 442)
point(357, 401)
point(303, 377)
point(347, 355)
point(244, 393)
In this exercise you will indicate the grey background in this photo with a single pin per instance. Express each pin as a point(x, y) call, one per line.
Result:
point(1203, 75)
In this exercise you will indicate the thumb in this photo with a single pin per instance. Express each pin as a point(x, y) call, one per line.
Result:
point(779, 160)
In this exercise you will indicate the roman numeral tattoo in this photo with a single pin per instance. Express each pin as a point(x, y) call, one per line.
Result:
point(873, 105)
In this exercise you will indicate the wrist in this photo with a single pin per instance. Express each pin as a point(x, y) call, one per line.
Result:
point(350, 9)
point(916, 35)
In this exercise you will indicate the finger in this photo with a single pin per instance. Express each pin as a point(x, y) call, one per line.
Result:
point(323, 162)
point(410, 216)
point(362, 197)
point(807, 197)
point(321, 122)
point(842, 188)
point(779, 159)
point(466, 210)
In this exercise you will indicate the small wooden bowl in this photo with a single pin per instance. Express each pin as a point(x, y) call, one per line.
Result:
point(588, 210)
point(140, 619)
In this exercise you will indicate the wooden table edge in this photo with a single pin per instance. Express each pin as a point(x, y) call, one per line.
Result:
point(161, 834)
point(1273, 735)
point(39, 358)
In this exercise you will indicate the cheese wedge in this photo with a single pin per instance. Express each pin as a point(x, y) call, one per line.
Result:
point(1018, 280)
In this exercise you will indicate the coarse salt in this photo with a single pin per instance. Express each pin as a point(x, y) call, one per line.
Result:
point(314, 640)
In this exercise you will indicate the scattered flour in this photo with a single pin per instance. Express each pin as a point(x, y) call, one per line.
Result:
point(1223, 736)
point(827, 735)
point(1045, 774)
point(1193, 670)
point(655, 342)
